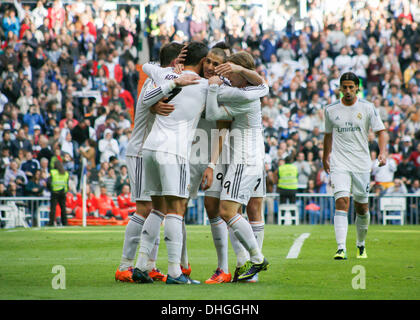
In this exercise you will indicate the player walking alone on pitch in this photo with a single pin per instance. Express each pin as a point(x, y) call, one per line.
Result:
point(347, 125)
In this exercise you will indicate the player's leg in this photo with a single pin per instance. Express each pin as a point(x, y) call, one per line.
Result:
point(219, 231)
point(174, 240)
point(360, 189)
point(175, 177)
point(151, 227)
point(341, 182)
point(243, 231)
point(196, 173)
point(254, 212)
point(148, 241)
point(254, 209)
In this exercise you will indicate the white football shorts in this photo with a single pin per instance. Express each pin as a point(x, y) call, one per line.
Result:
point(242, 182)
point(166, 174)
point(196, 173)
point(136, 174)
point(345, 183)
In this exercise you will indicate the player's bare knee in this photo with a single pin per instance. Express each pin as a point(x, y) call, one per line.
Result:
point(253, 209)
point(212, 207)
point(361, 208)
point(143, 208)
point(342, 203)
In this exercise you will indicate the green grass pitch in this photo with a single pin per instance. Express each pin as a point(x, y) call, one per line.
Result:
point(91, 255)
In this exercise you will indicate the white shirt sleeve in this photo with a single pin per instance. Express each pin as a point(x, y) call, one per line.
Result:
point(152, 96)
point(328, 123)
point(241, 95)
point(154, 71)
point(213, 111)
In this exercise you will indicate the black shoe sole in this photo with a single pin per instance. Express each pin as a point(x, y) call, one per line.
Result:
point(140, 277)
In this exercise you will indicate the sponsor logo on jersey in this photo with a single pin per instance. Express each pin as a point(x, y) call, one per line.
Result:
point(359, 115)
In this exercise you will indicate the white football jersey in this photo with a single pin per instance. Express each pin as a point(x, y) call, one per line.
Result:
point(243, 105)
point(174, 133)
point(350, 126)
point(143, 122)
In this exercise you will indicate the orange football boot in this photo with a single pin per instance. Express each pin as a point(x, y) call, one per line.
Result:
point(156, 275)
point(219, 277)
point(187, 272)
point(124, 276)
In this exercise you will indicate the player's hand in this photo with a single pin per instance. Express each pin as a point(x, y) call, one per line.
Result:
point(215, 80)
point(186, 80)
point(226, 68)
point(181, 57)
point(381, 160)
point(207, 179)
point(162, 108)
point(326, 164)
point(178, 68)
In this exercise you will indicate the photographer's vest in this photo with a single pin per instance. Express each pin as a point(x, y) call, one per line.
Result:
point(288, 177)
point(59, 181)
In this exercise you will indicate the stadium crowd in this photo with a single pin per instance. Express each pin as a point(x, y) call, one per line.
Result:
point(69, 74)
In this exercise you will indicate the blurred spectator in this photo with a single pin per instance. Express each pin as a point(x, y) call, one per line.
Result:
point(127, 207)
point(385, 175)
point(30, 165)
point(122, 179)
point(12, 172)
point(108, 146)
point(304, 171)
point(106, 206)
point(398, 188)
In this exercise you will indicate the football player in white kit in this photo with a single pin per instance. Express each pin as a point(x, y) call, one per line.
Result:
point(245, 170)
point(143, 121)
point(215, 59)
point(166, 152)
point(347, 125)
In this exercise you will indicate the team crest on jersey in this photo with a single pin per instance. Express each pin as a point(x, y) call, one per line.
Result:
point(359, 115)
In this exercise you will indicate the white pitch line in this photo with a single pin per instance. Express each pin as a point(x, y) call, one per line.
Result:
point(297, 245)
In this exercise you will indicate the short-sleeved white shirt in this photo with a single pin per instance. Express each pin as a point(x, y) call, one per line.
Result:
point(350, 126)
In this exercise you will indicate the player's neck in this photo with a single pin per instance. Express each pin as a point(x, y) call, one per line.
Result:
point(348, 103)
point(192, 68)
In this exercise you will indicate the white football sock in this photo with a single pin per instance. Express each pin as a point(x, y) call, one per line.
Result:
point(243, 231)
point(131, 241)
point(184, 253)
point(258, 229)
point(154, 254)
point(340, 227)
point(219, 232)
point(241, 253)
point(362, 225)
point(149, 234)
point(173, 240)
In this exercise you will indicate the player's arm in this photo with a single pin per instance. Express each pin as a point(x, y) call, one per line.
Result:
point(216, 150)
point(327, 152)
point(250, 75)
point(327, 142)
point(382, 142)
point(213, 111)
point(232, 95)
point(154, 95)
point(154, 71)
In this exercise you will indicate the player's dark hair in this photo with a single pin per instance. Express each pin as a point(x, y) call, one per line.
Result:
point(219, 52)
point(350, 76)
point(222, 45)
point(195, 52)
point(169, 52)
